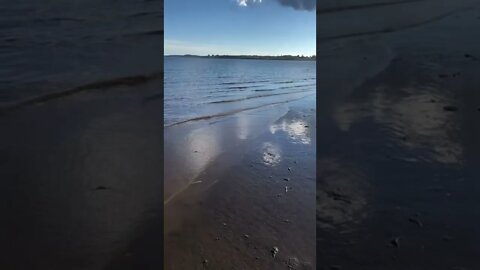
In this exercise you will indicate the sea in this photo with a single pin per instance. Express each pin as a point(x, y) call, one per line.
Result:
point(53, 46)
point(198, 88)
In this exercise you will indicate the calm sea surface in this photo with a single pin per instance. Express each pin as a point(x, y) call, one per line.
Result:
point(198, 88)
point(54, 45)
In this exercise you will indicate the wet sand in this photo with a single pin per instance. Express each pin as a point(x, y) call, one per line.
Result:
point(253, 190)
point(397, 150)
point(80, 175)
point(80, 136)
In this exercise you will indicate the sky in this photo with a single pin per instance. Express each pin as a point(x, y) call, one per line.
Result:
point(234, 27)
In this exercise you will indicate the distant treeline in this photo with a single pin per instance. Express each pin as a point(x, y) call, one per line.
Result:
point(262, 57)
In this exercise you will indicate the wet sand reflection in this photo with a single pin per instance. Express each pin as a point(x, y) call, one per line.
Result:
point(271, 155)
point(416, 120)
point(296, 129)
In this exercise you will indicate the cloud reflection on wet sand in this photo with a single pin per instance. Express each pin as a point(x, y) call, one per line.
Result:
point(205, 143)
point(271, 155)
point(243, 126)
point(296, 129)
point(416, 121)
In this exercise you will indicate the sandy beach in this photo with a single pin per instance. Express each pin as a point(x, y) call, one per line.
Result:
point(393, 128)
point(256, 195)
point(80, 175)
point(397, 159)
point(80, 162)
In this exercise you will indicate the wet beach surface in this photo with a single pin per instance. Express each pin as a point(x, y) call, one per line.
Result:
point(239, 166)
point(251, 200)
point(397, 150)
point(80, 148)
point(79, 177)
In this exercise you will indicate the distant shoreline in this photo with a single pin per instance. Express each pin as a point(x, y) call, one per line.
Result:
point(252, 57)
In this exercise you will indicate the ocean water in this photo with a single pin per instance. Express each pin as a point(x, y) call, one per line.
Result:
point(55, 45)
point(202, 88)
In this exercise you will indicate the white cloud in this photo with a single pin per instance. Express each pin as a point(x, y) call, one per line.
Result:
point(244, 3)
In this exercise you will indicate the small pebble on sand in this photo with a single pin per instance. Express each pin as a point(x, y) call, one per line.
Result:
point(395, 242)
point(274, 251)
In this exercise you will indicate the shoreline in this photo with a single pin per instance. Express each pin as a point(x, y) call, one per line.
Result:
point(229, 113)
point(219, 189)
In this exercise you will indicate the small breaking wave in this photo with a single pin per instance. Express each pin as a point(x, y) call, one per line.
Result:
point(206, 117)
point(230, 83)
point(257, 96)
point(99, 85)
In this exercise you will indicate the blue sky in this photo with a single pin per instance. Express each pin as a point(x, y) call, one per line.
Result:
point(262, 27)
